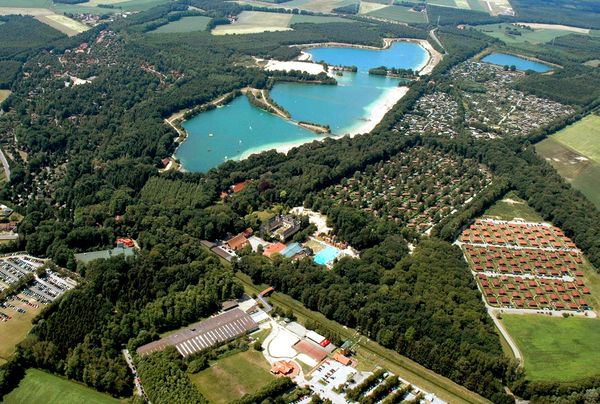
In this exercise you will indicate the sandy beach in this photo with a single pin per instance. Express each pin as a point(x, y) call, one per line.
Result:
point(308, 67)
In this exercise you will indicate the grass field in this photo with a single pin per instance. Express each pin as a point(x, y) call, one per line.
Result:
point(367, 7)
point(26, 3)
point(538, 35)
point(370, 354)
point(511, 207)
point(14, 330)
point(4, 94)
point(399, 13)
point(583, 137)
point(581, 172)
point(316, 19)
point(556, 349)
point(251, 22)
point(230, 378)
point(42, 387)
point(63, 24)
point(185, 24)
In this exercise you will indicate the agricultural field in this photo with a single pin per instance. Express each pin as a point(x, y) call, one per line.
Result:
point(230, 378)
point(532, 33)
point(323, 6)
point(418, 188)
point(15, 329)
point(580, 171)
point(252, 22)
point(575, 153)
point(556, 349)
point(316, 19)
point(38, 386)
point(397, 13)
point(63, 24)
point(26, 3)
point(185, 24)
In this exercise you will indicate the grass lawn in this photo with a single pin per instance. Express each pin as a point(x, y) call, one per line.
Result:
point(230, 378)
point(511, 207)
point(399, 13)
point(583, 136)
point(185, 24)
point(15, 329)
point(4, 94)
point(581, 172)
point(556, 349)
point(42, 387)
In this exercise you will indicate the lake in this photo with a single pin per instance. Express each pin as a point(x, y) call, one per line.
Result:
point(520, 63)
point(240, 129)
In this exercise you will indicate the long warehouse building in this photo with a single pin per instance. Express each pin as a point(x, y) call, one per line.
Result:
point(205, 334)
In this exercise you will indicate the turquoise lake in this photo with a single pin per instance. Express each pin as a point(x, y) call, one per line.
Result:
point(238, 129)
point(520, 63)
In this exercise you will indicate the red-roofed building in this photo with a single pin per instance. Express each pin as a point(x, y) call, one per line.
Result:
point(237, 242)
point(235, 188)
point(273, 248)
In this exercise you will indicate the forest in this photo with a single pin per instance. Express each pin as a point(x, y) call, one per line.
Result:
point(90, 174)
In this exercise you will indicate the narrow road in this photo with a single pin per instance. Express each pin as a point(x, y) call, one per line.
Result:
point(138, 383)
point(513, 345)
point(5, 165)
point(435, 38)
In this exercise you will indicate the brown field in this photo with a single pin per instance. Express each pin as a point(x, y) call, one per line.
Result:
point(15, 329)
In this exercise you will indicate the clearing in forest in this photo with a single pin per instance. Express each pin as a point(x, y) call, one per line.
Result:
point(583, 137)
point(252, 22)
point(556, 349)
point(519, 33)
point(230, 378)
point(185, 24)
point(4, 94)
point(41, 387)
point(63, 24)
point(15, 329)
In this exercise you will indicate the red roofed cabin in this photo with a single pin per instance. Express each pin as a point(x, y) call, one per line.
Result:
point(344, 360)
point(235, 188)
point(125, 242)
point(237, 242)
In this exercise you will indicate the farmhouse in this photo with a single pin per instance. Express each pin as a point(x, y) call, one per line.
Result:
point(205, 334)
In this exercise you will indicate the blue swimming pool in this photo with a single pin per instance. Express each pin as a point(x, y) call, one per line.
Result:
point(326, 255)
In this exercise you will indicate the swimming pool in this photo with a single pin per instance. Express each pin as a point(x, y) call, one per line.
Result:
point(326, 255)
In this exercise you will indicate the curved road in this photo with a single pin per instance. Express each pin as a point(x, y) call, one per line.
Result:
point(513, 345)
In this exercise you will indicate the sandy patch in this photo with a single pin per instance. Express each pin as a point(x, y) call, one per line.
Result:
point(281, 345)
point(556, 26)
point(308, 67)
point(366, 7)
point(511, 201)
point(316, 218)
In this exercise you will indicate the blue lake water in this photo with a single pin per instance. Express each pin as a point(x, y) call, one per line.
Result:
point(520, 63)
point(238, 129)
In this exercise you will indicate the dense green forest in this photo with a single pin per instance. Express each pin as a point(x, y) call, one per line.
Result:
point(90, 175)
point(579, 13)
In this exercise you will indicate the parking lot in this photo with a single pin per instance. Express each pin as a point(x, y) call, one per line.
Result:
point(329, 375)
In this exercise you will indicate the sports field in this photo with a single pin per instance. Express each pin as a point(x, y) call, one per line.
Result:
point(399, 13)
point(42, 387)
point(555, 348)
point(15, 329)
point(538, 35)
point(511, 207)
point(230, 378)
point(185, 24)
point(252, 22)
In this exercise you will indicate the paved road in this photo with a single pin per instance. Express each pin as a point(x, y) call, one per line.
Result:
point(506, 335)
point(138, 384)
point(435, 38)
point(5, 165)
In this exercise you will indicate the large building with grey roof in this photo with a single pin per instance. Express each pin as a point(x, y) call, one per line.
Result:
point(205, 334)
